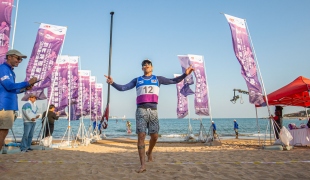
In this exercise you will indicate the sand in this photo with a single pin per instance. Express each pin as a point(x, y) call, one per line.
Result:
point(118, 159)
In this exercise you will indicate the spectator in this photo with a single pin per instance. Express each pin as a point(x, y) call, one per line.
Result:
point(51, 118)
point(30, 114)
point(236, 127)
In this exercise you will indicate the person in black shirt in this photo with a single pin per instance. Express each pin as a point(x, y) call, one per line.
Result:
point(51, 117)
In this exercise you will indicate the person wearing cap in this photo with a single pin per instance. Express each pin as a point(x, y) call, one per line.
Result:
point(236, 127)
point(214, 130)
point(147, 89)
point(9, 90)
point(30, 114)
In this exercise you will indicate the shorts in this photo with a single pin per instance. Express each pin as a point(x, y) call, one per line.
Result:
point(147, 118)
point(6, 119)
point(236, 131)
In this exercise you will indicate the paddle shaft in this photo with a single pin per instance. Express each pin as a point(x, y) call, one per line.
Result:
point(110, 56)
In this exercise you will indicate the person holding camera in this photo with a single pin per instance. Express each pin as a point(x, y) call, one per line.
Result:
point(50, 121)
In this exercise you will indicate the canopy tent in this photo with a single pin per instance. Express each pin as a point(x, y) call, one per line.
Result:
point(295, 93)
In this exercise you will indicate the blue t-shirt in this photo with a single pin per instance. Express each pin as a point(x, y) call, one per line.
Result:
point(235, 125)
point(214, 126)
point(9, 89)
point(161, 80)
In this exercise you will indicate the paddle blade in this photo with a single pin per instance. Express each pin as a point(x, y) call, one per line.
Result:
point(105, 117)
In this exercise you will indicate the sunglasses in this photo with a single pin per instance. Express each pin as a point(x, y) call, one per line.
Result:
point(147, 63)
point(18, 58)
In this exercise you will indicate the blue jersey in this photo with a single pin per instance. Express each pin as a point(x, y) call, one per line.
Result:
point(9, 89)
point(147, 90)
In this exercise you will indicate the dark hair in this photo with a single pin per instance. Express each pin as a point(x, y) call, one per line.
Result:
point(51, 106)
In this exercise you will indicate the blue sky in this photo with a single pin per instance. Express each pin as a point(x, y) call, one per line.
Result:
point(160, 30)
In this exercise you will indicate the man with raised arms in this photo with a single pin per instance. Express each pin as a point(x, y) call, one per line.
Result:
point(147, 87)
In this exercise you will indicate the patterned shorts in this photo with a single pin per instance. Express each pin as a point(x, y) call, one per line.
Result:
point(6, 119)
point(147, 119)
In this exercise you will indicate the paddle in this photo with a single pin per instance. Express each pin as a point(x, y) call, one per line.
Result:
point(105, 117)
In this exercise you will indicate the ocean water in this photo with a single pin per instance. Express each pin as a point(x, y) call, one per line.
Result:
point(170, 129)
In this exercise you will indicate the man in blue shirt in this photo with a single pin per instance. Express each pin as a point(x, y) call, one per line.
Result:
point(214, 130)
point(9, 90)
point(236, 127)
point(147, 88)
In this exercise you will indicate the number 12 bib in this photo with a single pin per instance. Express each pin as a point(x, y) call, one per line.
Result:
point(147, 90)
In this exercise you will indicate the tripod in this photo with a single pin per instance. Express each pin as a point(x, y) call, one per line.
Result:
point(82, 134)
point(42, 134)
point(202, 137)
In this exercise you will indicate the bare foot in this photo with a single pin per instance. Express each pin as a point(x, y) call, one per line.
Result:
point(141, 170)
point(149, 156)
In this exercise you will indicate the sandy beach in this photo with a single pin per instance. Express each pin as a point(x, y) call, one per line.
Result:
point(118, 159)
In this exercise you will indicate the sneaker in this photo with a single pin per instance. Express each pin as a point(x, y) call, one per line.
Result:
point(23, 151)
point(29, 149)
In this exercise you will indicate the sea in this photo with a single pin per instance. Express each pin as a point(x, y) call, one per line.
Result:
point(170, 129)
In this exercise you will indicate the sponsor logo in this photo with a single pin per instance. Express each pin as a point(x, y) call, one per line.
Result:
point(154, 81)
point(5, 77)
point(140, 82)
point(231, 20)
point(7, 3)
point(48, 36)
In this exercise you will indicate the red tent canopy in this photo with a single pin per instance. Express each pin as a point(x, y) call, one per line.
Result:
point(295, 93)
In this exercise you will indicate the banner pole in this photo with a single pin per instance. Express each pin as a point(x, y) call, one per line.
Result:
point(12, 47)
point(82, 131)
point(90, 98)
point(209, 101)
point(69, 99)
point(260, 75)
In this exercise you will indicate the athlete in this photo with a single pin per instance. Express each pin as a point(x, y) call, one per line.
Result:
point(147, 88)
